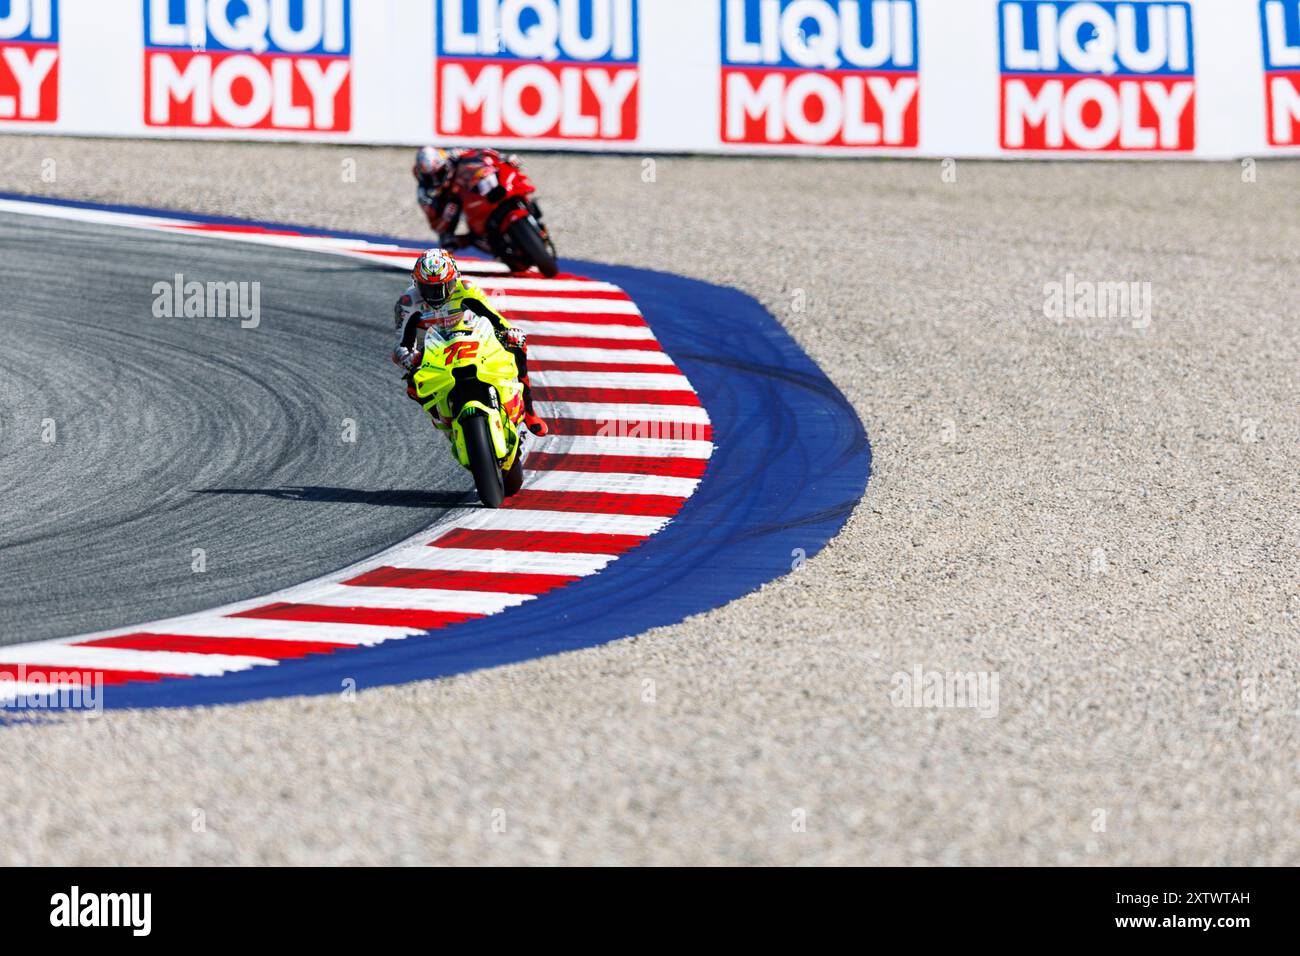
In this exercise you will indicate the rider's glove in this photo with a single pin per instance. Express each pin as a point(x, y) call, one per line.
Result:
point(514, 338)
point(406, 358)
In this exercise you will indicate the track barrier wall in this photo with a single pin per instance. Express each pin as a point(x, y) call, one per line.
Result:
point(1202, 79)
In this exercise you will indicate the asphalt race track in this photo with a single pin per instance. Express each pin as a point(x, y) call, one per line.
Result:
point(170, 435)
point(651, 499)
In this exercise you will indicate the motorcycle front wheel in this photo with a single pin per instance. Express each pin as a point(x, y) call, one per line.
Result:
point(483, 460)
point(514, 478)
point(528, 240)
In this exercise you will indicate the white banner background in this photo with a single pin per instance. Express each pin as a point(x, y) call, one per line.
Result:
point(101, 79)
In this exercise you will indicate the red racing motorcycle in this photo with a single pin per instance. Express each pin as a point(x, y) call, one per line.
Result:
point(503, 217)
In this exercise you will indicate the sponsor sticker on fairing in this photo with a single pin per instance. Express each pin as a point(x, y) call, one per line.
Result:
point(255, 64)
point(29, 61)
point(537, 69)
point(820, 72)
point(1281, 27)
point(1096, 76)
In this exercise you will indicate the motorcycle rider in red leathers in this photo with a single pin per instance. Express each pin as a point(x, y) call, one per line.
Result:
point(436, 171)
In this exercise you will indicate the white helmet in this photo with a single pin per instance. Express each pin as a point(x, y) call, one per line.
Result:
point(433, 165)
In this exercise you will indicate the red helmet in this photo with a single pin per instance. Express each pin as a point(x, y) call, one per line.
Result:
point(435, 276)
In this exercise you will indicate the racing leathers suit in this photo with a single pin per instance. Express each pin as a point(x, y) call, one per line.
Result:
point(442, 205)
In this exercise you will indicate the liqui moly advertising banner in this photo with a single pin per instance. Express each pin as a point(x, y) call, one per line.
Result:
point(1091, 75)
point(29, 61)
point(1280, 26)
point(255, 64)
point(820, 73)
point(558, 70)
point(1005, 79)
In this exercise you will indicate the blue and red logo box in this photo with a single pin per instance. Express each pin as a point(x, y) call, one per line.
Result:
point(546, 69)
point(248, 64)
point(1280, 22)
point(1097, 75)
point(29, 61)
point(820, 73)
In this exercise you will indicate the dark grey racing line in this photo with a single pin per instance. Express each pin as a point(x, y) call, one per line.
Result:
point(177, 434)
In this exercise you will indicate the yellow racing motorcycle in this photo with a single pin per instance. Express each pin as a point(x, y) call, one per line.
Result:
point(469, 383)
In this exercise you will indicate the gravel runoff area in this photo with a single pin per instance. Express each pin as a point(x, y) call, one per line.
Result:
point(1099, 513)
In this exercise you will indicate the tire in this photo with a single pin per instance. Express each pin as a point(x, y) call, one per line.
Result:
point(514, 478)
point(483, 461)
point(528, 240)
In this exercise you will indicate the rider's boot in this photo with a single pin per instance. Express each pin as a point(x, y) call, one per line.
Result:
point(536, 424)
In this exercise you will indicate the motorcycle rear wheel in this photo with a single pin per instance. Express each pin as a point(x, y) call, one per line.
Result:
point(483, 461)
